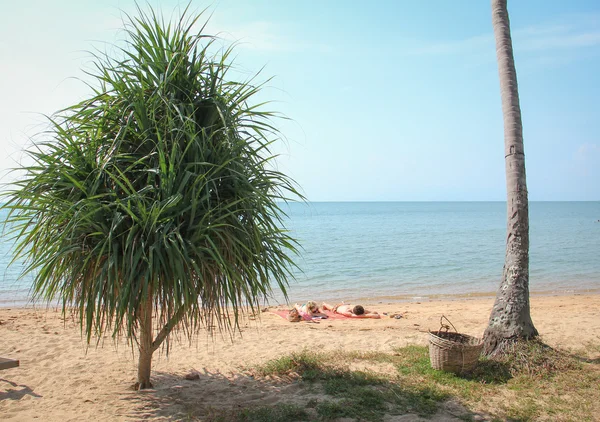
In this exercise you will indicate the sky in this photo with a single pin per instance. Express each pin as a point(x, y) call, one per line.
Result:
point(387, 100)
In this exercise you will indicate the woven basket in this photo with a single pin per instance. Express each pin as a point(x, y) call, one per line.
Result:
point(453, 352)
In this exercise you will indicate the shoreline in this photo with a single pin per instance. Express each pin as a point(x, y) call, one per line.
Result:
point(475, 295)
point(387, 299)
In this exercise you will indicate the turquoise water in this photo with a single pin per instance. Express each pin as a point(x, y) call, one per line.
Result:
point(408, 250)
point(400, 250)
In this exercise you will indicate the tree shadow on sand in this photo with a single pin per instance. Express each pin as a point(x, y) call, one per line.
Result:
point(247, 397)
point(207, 396)
point(16, 394)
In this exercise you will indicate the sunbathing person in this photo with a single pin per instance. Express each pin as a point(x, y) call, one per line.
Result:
point(294, 316)
point(309, 310)
point(351, 311)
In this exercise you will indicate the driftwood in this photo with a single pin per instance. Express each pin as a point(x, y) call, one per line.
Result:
point(8, 363)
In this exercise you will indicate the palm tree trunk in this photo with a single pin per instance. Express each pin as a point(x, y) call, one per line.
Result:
point(510, 318)
point(145, 345)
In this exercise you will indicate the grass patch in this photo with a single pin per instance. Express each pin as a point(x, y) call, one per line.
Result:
point(532, 382)
point(537, 360)
point(296, 363)
point(277, 413)
point(359, 394)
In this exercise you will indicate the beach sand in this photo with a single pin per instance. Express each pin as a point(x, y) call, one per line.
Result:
point(59, 381)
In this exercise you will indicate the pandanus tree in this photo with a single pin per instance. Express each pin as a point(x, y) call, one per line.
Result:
point(510, 319)
point(154, 204)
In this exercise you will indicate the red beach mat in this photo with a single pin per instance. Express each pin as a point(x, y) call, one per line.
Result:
point(283, 313)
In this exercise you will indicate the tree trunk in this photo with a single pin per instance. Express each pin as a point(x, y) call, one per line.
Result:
point(510, 318)
point(145, 345)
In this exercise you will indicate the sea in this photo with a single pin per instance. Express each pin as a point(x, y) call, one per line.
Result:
point(412, 251)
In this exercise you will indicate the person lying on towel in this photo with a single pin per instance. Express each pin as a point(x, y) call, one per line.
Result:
point(350, 311)
point(309, 310)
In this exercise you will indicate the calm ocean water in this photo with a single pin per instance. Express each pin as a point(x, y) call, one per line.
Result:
point(406, 250)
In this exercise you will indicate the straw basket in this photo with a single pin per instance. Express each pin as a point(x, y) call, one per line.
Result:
point(453, 352)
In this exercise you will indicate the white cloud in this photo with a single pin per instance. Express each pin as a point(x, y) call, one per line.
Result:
point(560, 39)
point(587, 150)
point(587, 159)
point(478, 43)
point(264, 36)
point(573, 32)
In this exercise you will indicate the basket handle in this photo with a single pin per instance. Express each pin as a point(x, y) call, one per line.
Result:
point(446, 326)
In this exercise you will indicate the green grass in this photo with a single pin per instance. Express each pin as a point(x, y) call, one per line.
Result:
point(277, 413)
point(534, 382)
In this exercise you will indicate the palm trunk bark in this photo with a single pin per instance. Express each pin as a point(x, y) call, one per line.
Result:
point(145, 345)
point(510, 318)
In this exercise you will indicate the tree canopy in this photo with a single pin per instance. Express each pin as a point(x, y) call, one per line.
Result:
point(155, 203)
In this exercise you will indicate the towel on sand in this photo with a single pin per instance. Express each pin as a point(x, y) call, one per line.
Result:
point(283, 313)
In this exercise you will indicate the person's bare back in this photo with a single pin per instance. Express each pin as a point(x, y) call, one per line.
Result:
point(350, 311)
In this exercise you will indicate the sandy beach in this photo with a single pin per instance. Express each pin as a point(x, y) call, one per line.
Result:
point(59, 381)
